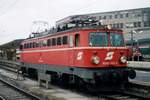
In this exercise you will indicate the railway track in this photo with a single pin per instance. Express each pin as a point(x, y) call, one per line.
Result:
point(10, 65)
point(12, 92)
point(6, 84)
point(116, 95)
point(132, 91)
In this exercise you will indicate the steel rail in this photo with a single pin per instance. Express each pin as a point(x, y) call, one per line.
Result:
point(116, 95)
point(132, 90)
point(33, 97)
point(2, 98)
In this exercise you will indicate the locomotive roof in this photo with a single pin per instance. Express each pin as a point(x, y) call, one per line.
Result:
point(74, 29)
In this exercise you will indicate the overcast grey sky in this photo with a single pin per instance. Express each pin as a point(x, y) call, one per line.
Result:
point(17, 16)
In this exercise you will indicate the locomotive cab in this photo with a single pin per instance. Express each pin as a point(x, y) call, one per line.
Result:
point(99, 48)
point(103, 51)
point(112, 43)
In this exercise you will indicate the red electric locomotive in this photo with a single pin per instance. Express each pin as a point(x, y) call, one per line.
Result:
point(82, 54)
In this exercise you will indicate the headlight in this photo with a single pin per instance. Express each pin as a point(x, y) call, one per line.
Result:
point(123, 59)
point(95, 60)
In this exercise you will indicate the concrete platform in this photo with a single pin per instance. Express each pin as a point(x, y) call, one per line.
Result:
point(145, 66)
point(53, 93)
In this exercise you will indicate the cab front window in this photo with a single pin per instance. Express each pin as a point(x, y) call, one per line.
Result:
point(98, 39)
point(116, 39)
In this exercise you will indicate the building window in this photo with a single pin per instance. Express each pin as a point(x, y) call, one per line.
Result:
point(121, 15)
point(121, 25)
point(147, 24)
point(59, 41)
point(137, 24)
point(116, 16)
point(117, 25)
point(127, 15)
point(100, 17)
point(104, 17)
point(114, 25)
point(138, 15)
point(53, 41)
point(65, 40)
point(110, 17)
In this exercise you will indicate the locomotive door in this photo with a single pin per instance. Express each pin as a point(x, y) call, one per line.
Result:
point(71, 51)
point(74, 41)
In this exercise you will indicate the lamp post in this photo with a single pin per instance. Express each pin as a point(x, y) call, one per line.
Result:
point(137, 44)
point(131, 25)
point(132, 44)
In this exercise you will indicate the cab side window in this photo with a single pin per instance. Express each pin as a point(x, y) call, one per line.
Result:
point(71, 40)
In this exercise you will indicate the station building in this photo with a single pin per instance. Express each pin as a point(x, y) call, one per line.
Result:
point(132, 21)
point(10, 50)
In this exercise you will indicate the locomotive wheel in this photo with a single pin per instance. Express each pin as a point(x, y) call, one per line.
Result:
point(32, 73)
point(71, 81)
point(132, 74)
point(54, 78)
point(78, 82)
point(65, 80)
